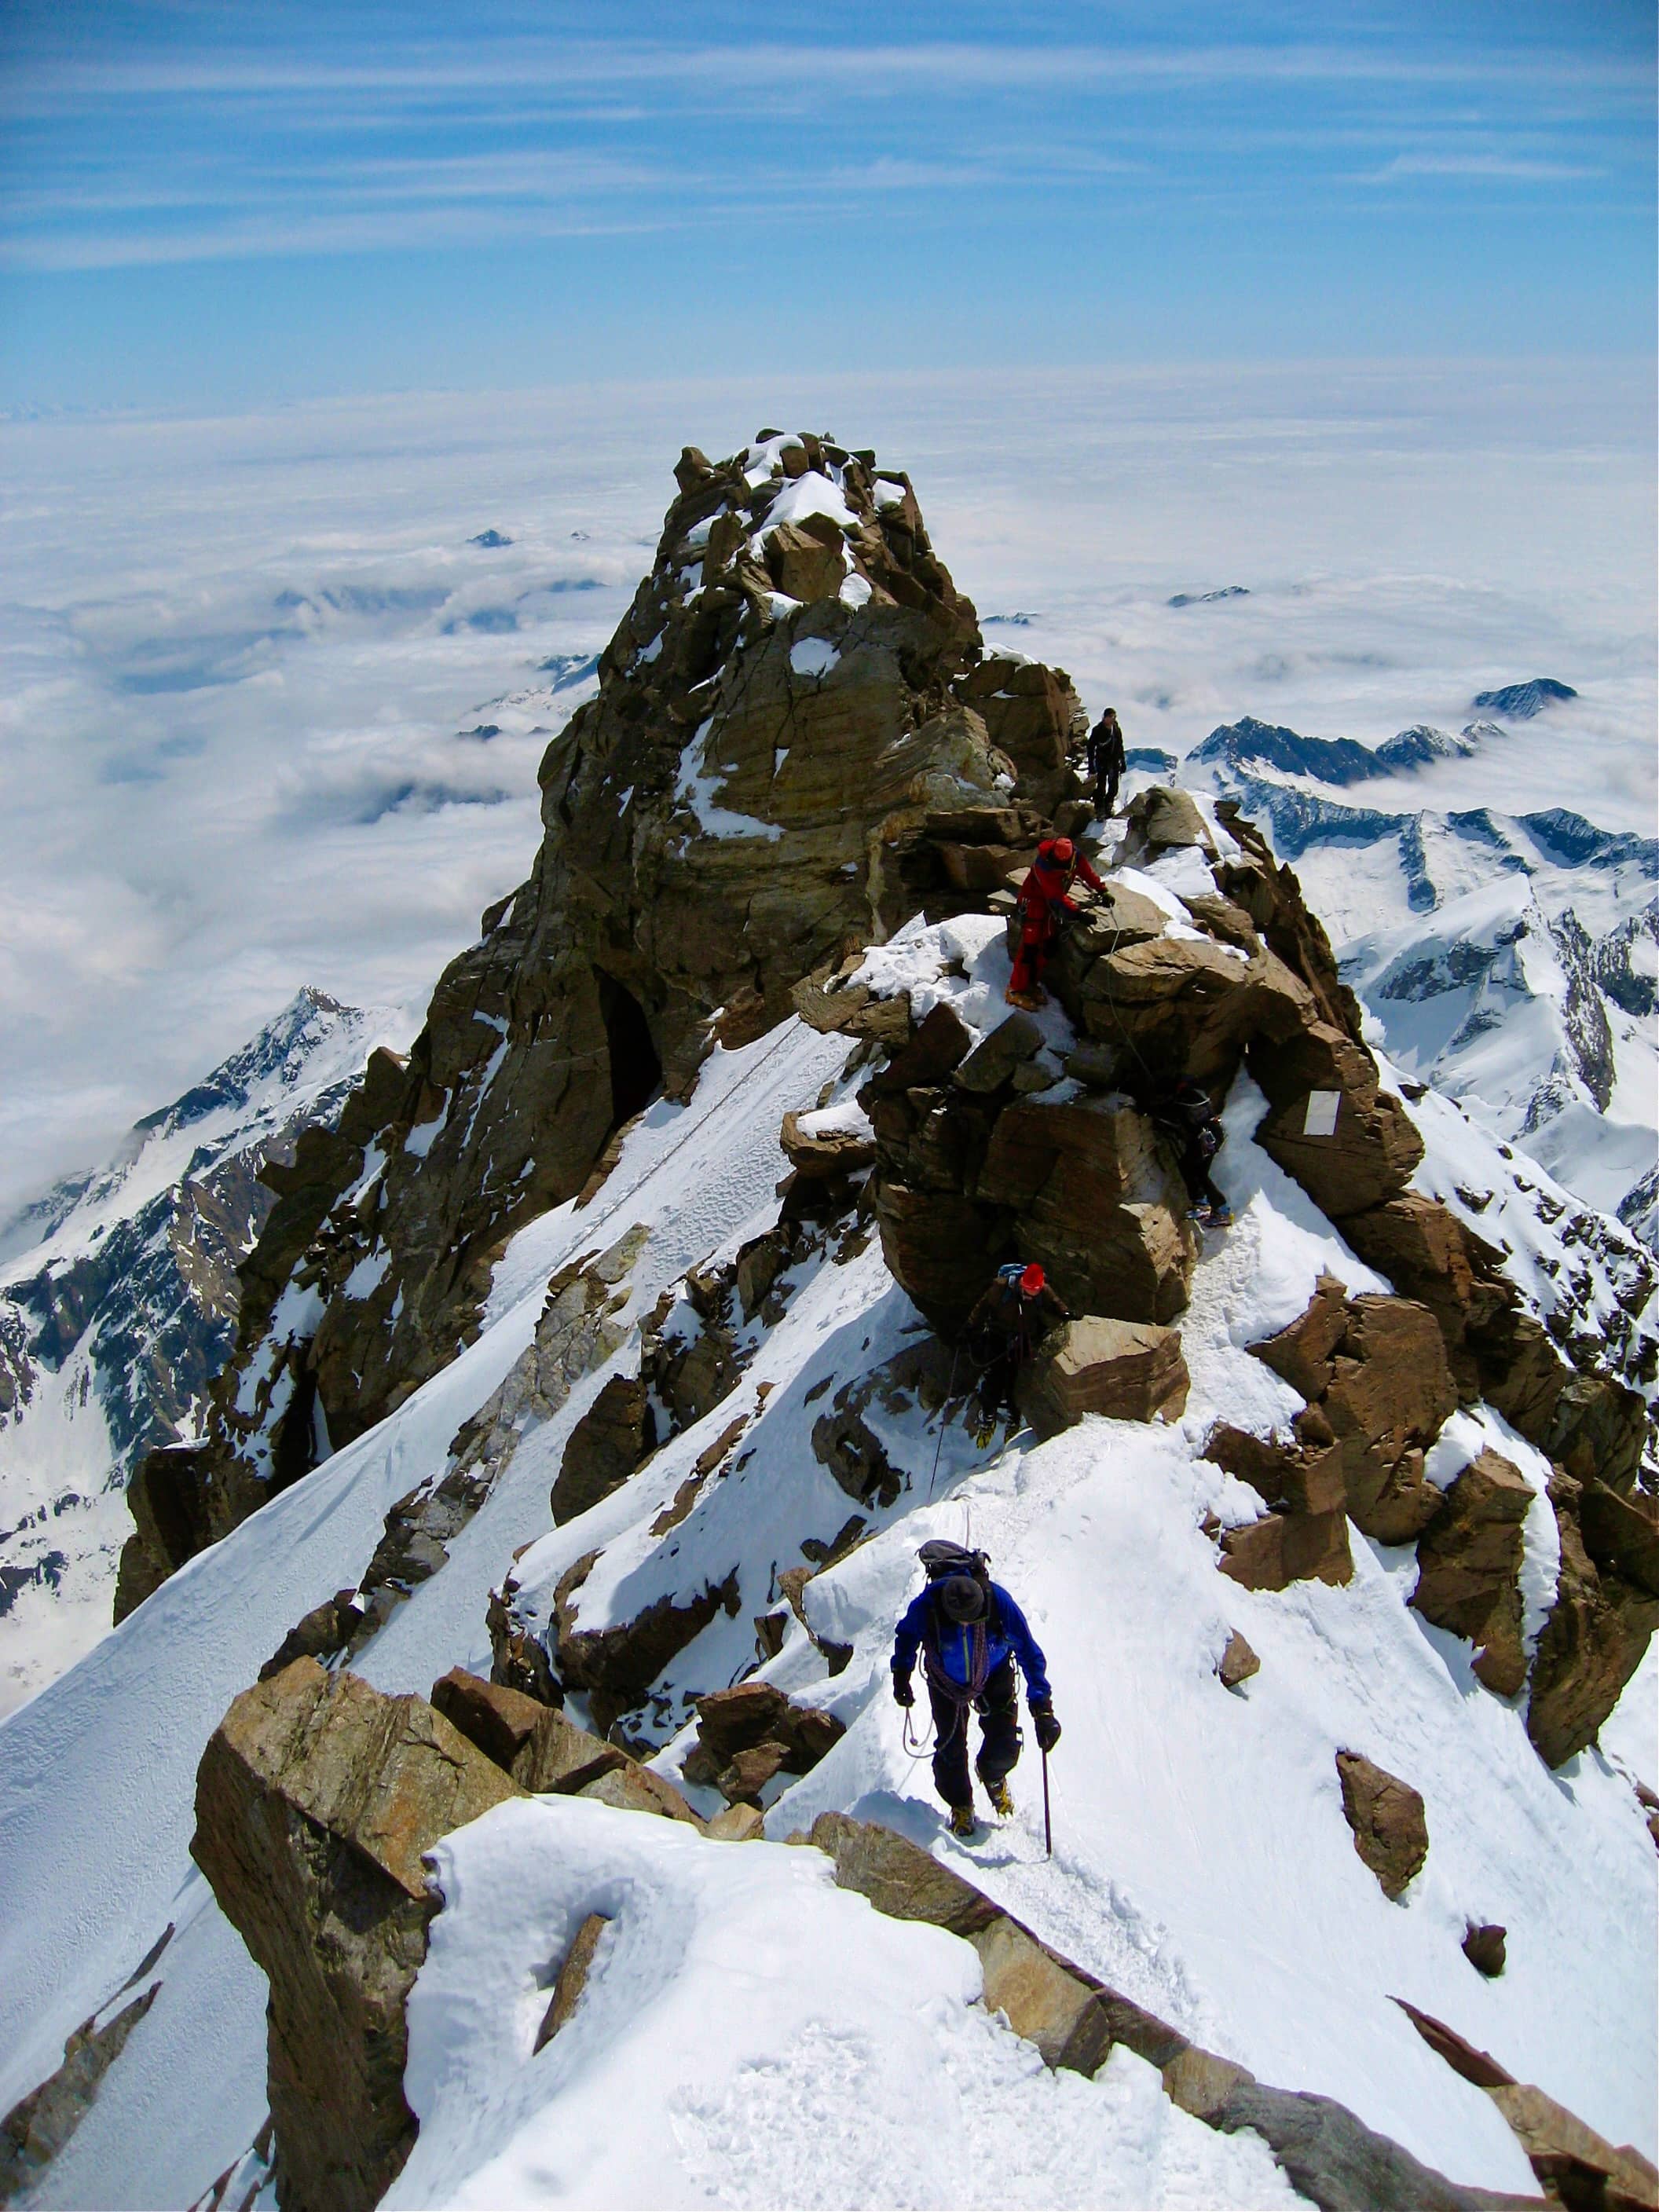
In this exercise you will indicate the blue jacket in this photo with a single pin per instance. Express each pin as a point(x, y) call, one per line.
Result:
point(950, 1643)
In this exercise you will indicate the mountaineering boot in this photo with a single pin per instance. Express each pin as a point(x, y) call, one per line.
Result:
point(1001, 1803)
point(985, 1427)
point(1028, 1001)
point(962, 1822)
point(1221, 1216)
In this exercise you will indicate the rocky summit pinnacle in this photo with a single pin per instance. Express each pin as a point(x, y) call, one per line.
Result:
point(795, 719)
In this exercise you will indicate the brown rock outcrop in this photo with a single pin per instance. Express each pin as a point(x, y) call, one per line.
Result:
point(314, 1800)
point(751, 793)
point(974, 1164)
point(571, 1978)
point(1350, 1144)
point(1390, 1831)
point(1590, 1422)
point(1128, 1370)
point(1376, 1368)
point(748, 1734)
point(1574, 2165)
point(820, 1148)
point(1469, 1567)
point(1282, 1548)
point(1591, 1645)
point(1297, 1476)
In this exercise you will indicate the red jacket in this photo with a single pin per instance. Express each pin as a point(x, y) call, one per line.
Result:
point(1048, 882)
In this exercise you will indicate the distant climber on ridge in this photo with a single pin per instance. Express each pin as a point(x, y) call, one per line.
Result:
point(1106, 761)
point(970, 1634)
point(1189, 1115)
point(1043, 899)
point(1010, 1317)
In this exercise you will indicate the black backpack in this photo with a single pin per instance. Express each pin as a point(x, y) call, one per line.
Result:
point(941, 1560)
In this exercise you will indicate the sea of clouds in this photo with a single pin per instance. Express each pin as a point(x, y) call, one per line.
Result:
point(253, 736)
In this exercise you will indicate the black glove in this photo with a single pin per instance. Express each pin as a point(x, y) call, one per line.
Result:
point(903, 1694)
point(1044, 1726)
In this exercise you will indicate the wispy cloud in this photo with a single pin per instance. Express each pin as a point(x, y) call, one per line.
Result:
point(1525, 168)
point(939, 66)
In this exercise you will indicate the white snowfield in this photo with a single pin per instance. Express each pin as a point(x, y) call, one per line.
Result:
point(748, 2036)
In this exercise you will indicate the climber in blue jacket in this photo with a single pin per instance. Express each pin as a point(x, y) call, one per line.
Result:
point(970, 1635)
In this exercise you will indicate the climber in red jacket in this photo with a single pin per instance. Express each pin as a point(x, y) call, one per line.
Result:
point(1042, 900)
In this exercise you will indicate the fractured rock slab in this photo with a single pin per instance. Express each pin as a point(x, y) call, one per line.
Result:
point(1469, 1559)
point(1282, 1548)
point(1126, 1370)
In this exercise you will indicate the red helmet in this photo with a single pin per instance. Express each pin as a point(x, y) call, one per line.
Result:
point(1033, 1279)
point(1062, 849)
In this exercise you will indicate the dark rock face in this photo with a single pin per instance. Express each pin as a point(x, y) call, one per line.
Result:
point(1386, 1814)
point(616, 1665)
point(606, 1445)
point(315, 1798)
point(185, 1497)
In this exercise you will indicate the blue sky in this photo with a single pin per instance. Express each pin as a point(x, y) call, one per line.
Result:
point(203, 204)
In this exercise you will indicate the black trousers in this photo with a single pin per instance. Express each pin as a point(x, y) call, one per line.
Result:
point(998, 1707)
point(1195, 1174)
point(1106, 790)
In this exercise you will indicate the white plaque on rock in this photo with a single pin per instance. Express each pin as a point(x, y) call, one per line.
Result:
point(1321, 1118)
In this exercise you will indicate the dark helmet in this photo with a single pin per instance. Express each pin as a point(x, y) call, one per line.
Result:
point(962, 1599)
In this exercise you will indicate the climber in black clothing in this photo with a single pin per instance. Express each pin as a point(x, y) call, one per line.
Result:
point(1106, 760)
point(1012, 1316)
point(1189, 1115)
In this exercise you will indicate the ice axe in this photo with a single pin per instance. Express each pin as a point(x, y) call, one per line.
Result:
point(1047, 1823)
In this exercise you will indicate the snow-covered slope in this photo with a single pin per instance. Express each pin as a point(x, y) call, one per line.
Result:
point(117, 1304)
point(1201, 1859)
point(1511, 959)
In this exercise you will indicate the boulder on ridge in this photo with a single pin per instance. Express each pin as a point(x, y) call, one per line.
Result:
point(1126, 1370)
point(314, 1800)
point(1390, 1832)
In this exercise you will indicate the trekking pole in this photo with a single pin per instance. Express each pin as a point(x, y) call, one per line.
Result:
point(943, 1422)
point(1047, 1823)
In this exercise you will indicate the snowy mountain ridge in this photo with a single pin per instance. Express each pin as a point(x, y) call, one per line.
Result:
point(532, 1585)
point(118, 1303)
